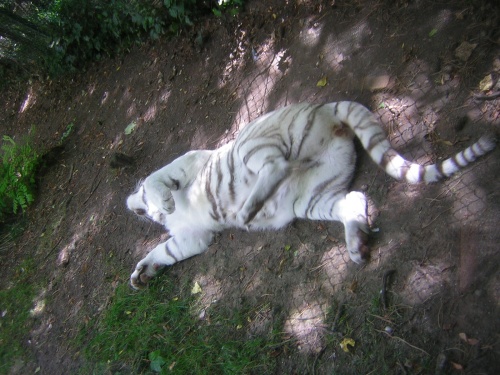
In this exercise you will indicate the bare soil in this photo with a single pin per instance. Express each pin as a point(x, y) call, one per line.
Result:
point(416, 64)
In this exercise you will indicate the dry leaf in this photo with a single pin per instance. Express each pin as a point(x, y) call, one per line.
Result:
point(447, 143)
point(486, 83)
point(457, 366)
point(321, 82)
point(462, 336)
point(354, 286)
point(344, 344)
point(196, 288)
point(464, 50)
point(472, 341)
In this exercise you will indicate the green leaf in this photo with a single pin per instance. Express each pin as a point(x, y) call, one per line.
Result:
point(433, 32)
point(130, 128)
point(157, 361)
point(321, 82)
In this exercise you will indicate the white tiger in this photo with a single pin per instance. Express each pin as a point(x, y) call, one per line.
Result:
point(295, 162)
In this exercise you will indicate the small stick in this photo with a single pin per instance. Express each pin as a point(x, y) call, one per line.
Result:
point(479, 97)
point(383, 292)
point(406, 342)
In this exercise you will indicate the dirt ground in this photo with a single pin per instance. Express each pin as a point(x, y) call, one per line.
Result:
point(418, 64)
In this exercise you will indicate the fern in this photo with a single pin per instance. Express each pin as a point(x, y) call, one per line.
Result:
point(17, 173)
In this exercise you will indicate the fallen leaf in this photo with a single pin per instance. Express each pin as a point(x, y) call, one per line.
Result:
point(457, 366)
point(196, 288)
point(447, 143)
point(344, 344)
point(464, 50)
point(472, 341)
point(321, 82)
point(462, 336)
point(130, 128)
point(486, 83)
point(354, 286)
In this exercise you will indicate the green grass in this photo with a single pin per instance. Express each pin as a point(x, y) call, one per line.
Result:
point(158, 331)
point(15, 304)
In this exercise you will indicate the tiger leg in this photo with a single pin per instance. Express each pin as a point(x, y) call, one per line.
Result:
point(350, 209)
point(167, 253)
point(158, 186)
point(269, 178)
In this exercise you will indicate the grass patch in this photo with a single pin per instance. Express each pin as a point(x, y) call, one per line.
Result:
point(158, 331)
point(15, 305)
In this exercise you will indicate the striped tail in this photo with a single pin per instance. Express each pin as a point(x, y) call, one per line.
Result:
point(374, 140)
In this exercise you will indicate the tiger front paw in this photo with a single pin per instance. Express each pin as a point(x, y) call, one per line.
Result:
point(159, 195)
point(143, 273)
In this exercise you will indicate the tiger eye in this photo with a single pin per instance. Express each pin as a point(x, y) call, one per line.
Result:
point(140, 212)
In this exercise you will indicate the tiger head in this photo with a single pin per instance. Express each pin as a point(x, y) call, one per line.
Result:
point(139, 203)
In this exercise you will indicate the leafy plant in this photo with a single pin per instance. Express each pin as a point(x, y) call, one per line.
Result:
point(232, 7)
point(17, 176)
point(94, 29)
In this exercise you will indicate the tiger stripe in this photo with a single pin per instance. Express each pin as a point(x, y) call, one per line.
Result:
point(374, 140)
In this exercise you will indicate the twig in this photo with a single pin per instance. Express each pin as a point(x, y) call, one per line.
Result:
point(480, 97)
point(66, 183)
point(53, 248)
point(383, 292)
point(403, 341)
point(92, 191)
point(433, 220)
point(382, 318)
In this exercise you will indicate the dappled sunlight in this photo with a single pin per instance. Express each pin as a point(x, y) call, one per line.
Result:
point(470, 200)
point(132, 110)
point(91, 88)
point(426, 280)
point(399, 115)
point(105, 97)
point(164, 96)
point(306, 325)
point(143, 246)
point(334, 265)
point(442, 19)
point(150, 114)
point(338, 49)
point(310, 35)
point(29, 100)
point(257, 88)
point(209, 290)
point(39, 304)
